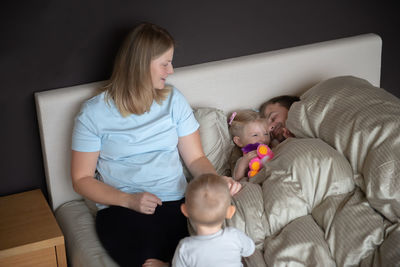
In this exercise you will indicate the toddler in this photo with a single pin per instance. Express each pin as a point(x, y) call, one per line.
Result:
point(247, 127)
point(207, 204)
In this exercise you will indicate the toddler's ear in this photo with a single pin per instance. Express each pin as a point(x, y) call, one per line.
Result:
point(184, 210)
point(236, 140)
point(230, 211)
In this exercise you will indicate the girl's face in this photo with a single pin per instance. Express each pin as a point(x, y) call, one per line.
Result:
point(253, 132)
point(160, 68)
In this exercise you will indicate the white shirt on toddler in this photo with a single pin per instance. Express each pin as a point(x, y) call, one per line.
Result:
point(224, 248)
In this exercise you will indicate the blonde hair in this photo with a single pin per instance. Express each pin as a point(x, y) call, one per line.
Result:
point(207, 199)
point(130, 85)
point(238, 122)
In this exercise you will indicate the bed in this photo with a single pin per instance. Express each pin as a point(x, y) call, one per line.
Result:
point(330, 196)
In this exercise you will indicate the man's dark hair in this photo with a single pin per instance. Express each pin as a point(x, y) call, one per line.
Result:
point(283, 100)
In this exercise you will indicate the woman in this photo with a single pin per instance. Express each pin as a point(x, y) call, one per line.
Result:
point(131, 136)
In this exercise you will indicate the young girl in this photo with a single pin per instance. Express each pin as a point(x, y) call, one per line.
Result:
point(246, 127)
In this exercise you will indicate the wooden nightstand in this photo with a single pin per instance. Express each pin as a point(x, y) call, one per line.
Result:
point(29, 233)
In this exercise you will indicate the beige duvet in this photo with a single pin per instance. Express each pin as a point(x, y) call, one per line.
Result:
point(330, 196)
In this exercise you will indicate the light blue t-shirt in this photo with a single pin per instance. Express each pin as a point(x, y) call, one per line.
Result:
point(224, 248)
point(138, 153)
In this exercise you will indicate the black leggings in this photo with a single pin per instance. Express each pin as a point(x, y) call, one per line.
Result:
point(131, 237)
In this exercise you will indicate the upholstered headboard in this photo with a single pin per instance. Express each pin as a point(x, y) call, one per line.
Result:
point(242, 82)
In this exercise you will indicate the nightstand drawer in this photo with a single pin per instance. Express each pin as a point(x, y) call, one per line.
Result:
point(43, 257)
point(30, 235)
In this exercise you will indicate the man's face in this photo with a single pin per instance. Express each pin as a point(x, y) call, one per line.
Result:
point(276, 116)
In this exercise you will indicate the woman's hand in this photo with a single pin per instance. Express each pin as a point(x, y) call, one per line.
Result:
point(234, 186)
point(145, 202)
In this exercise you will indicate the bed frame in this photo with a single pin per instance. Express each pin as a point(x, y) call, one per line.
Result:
point(242, 82)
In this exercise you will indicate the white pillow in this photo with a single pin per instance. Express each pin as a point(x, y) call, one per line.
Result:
point(215, 138)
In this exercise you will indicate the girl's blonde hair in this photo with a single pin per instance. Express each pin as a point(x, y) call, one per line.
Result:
point(238, 119)
point(130, 85)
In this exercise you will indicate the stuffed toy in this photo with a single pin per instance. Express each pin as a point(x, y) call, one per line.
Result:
point(264, 154)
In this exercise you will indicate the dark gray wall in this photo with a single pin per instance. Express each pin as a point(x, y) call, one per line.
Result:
point(52, 44)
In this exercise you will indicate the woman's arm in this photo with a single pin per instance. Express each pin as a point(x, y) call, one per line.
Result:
point(191, 151)
point(83, 167)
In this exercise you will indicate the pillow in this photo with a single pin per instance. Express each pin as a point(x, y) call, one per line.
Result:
point(362, 122)
point(215, 139)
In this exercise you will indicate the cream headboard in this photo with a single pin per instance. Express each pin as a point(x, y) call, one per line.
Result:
point(242, 82)
point(248, 81)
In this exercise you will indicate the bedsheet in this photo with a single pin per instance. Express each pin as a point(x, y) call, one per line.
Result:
point(316, 214)
point(331, 196)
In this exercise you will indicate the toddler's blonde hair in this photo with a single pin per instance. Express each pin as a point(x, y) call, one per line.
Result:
point(207, 199)
point(241, 118)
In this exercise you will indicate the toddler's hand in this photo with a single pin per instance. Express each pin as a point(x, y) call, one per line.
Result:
point(249, 156)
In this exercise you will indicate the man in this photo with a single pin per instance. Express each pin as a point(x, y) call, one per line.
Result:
point(276, 111)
